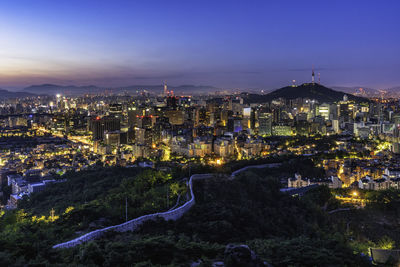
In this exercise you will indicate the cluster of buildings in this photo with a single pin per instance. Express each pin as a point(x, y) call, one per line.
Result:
point(390, 178)
point(31, 159)
point(228, 126)
point(59, 133)
point(31, 181)
point(298, 181)
point(29, 169)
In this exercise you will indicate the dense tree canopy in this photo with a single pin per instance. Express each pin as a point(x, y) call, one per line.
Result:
point(249, 209)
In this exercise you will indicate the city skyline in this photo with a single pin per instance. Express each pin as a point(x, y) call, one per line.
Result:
point(227, 45)
point(199, 133)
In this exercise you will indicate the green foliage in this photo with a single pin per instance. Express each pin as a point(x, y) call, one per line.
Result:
point(6, 193)
point(79, 188)
point(143, 250)
point(361, 246)
point(98, 200)
point(383, 199)
point(248, 209)
point(249, 206)
point(386, 243)
point(305, 167)
point(373, 225)
point(305, 251)
point(322, 197)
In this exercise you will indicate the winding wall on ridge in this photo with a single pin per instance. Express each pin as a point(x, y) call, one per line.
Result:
point(174, 214)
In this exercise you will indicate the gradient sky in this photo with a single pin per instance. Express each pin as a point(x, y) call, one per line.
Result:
point(230, 44)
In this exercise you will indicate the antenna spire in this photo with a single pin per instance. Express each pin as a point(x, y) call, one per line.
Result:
point(313, 75)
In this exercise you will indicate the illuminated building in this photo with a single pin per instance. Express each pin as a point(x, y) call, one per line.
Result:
point(223, 147)
point(200, 148)
point(303, 128)
point(265, 124)
point(281, 130)
point(112, 138)
point(99, 125)
point(323, 110)
point(143, 136)
point(165, 87)
point(298, 181)
point(176, 117)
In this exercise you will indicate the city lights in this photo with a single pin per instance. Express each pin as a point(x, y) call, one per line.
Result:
point(199, 133)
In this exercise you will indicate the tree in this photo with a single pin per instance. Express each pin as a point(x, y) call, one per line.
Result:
point(386, 243)
point(92, 254)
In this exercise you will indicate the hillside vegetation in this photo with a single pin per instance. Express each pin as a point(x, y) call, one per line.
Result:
point(250, 209)
point(86, 201)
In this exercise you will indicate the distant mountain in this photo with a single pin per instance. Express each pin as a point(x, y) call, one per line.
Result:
point(53, 89)
point(306, 90)
point(370, 92)
point(156, 89)
point(357, 90)
point(394, 91)
point(4, 94)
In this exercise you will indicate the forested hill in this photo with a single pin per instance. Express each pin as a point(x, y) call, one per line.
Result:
point(249, 209)
point(307, 90)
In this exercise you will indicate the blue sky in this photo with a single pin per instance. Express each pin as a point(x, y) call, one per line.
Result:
point(229, 44)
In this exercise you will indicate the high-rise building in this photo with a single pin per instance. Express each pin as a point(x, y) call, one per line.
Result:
point(281, 130)
point(335, 126)
point(165, 89)
point(99, 125)
point(112, 138)
point(176, 117)
point(143, 136)
point(172, 102)
point(302, 127)
point(146, 122)
point(115, 109)
point(264, 124)
point(344, 112)
point(133, 116)
point(323, 110)
point(253, 116)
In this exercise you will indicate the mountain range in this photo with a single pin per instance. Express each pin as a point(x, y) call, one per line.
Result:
point(52, 89)
point(370, 92)
point(4, 94)
point(307, 90)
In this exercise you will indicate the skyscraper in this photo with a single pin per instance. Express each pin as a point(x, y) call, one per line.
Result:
point(100, 125)
point(264, 124)
point(165, 88)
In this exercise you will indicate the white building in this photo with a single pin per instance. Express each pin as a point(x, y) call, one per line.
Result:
point(367, 183)
point(298, 181)
point(334, 182)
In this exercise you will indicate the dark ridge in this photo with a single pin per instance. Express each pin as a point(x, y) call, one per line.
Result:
point(307, 90)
